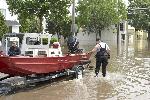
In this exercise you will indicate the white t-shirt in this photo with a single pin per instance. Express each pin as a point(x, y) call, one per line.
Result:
point(98, 46)
point(102, 44)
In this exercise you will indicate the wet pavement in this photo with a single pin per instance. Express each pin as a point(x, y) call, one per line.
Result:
point(127, 79)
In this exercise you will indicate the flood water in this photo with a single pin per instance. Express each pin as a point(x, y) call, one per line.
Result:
point(128, 78)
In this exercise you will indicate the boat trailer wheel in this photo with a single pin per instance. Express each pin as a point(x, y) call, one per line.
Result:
point(78, 71)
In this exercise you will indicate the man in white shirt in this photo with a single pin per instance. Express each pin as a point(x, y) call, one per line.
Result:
point(102, 54)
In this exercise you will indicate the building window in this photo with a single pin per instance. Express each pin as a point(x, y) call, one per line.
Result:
point(123, 36)
point(45, 41)
point(121, 27)
point(42, 53)
point(3, 11)
point(10, 29)
point(33, 41)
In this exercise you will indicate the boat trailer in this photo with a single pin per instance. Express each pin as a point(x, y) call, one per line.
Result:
point(8, 83)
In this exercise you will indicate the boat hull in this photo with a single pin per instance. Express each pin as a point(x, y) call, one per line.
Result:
point(24, 65)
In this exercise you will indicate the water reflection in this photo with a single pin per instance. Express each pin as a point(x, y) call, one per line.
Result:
point(127, 79)
point(142, 48)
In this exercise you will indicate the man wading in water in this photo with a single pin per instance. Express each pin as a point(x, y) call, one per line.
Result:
point(102, 55)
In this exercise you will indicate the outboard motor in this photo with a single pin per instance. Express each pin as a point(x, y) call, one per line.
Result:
point(72, 44)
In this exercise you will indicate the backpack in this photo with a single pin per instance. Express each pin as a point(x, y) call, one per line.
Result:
point(102, 53)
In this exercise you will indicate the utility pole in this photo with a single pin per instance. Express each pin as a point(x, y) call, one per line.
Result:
point(118, 36)
point(126, 39)
point(118, 39)
point(73, 18)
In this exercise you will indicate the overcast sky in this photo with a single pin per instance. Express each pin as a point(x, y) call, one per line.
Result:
point(126, 2)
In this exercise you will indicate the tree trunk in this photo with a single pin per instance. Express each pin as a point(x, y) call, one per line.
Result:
point(41, 26)
point(99, 32)
point(118, 40)
point(58, 35)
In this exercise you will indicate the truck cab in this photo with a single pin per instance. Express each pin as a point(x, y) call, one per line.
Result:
point(33, 44)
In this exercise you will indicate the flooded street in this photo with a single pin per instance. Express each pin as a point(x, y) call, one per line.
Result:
point(128, 78)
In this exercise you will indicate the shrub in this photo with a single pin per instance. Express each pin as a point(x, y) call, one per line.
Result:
point(53, 40)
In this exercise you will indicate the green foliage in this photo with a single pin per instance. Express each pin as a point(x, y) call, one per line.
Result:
point(27, 8)
point(53, 40)
point(30, 24)
point(3, 27)
point(66, 28)
point(95, 15)
point(45, 41)
point(139, 15)
point(56, 10)
point(58, 21)
point(59, 28)
point(27, 13)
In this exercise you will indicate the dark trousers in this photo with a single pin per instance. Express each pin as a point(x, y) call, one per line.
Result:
point(101, 62)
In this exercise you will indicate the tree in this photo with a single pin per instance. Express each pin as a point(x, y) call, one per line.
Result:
point(58, 20)
point(96, 15)
point(38, 8)
point(28, 8)
point(62, 28)
point(29, 24)
point(139, 15)
point(3, 27)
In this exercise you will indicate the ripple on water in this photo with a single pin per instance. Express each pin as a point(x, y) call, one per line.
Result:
point(136, 80)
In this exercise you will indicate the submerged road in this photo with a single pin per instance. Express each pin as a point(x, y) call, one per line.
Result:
point(128, 78)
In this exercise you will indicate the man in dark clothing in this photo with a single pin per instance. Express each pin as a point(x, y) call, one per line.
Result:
point(102, 55)
point(14, 50)
point(73, 44)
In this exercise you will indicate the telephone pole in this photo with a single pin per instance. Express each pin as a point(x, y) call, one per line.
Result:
point(73, 18)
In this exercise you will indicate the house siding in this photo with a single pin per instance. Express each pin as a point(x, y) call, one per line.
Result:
point(8, 16)
point(108, 35)
point(15, 29)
